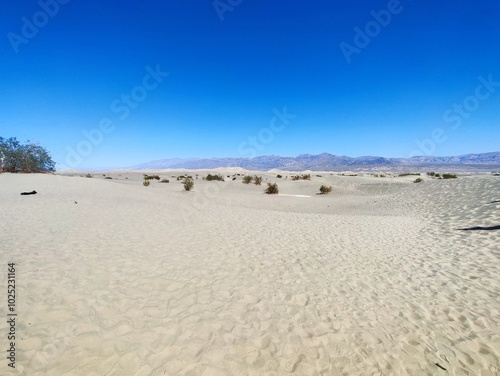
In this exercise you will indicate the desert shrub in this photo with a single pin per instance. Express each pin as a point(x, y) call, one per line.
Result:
point(449, 176)
point(257, 180)
point(151, 177)
point(319, 176)
point(247, 179)
point(409, 174)
point(183, 177)
point(29, 157)
point(431, 173)
point(418, 180)
point(301, 177)
point(437, 175)
point(146, 183)
point(279, 176)
point(88, 176)
point(272, 189)
point(211, 177)
point(325, 190)
point(108, 177)
point(188, 184)
point(164, 181)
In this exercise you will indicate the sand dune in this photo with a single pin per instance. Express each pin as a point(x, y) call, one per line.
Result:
point(376, 278)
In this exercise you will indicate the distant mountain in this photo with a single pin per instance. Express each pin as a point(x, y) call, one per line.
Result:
point(466, 159)
point(325, 162)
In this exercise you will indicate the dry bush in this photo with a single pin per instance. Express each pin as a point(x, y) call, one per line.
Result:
point(188, 184)
point(211, 177)
point(247, 179)
point(257, 180)
point(272, 189)
point(325, 190)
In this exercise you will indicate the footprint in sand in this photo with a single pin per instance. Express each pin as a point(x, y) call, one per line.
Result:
point(290, 364)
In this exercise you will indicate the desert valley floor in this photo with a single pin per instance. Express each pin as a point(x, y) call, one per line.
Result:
point(380, 277)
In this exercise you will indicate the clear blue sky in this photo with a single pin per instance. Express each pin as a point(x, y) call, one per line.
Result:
point(230, 67)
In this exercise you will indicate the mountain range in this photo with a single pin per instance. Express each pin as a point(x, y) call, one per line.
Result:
point(327, 162)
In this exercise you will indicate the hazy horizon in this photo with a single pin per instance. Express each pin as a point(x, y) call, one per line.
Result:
point(101, 85)
point(480, 166)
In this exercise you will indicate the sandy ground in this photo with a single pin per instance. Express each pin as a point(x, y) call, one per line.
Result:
point(377, 278)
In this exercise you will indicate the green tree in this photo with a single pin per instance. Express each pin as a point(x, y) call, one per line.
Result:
point(29, 157)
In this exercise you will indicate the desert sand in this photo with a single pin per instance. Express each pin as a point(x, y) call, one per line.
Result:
point(376, 278)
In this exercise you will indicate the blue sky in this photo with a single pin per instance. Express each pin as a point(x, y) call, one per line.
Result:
point(420, 77)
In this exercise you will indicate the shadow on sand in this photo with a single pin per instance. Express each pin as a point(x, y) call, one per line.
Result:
point(477, 228)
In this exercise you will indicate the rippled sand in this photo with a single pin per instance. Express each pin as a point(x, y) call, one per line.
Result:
point(377, 278)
